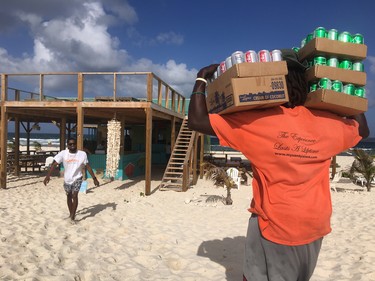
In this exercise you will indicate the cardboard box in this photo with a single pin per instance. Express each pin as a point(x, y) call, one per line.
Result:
point(339, 103)
point(247, 86)
point(325, 46)
point(346, 76)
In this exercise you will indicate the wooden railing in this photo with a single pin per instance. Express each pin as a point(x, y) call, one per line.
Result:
point(155, 89)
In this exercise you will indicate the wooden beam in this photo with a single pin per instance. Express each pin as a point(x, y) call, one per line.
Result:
point(17, 147)
point(148, 147)
point(4, 132)
point(79, 128)
point(62, 133)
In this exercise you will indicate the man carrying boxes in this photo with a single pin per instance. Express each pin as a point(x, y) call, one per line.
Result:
point(290, 149)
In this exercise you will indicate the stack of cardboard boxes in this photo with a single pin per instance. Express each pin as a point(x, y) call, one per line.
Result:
point(259, 85)
point(247, 86)
point(325, 99)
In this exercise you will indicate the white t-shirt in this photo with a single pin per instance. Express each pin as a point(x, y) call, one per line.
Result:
point(73, 164)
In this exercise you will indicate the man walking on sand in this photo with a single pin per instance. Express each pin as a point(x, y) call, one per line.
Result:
point(73, 160)
point(290, 149)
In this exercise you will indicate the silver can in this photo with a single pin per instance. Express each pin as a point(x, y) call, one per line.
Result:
point(251, 56)
point(237, 57)
point(264, 56)
point(228, 62)
point(276, 55)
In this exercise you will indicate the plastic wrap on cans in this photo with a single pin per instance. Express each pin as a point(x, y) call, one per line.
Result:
point(251, 56)
point(333, 34)
point(215, 75)
point(358, 66)
point(228, 63)
point(237, 57)
point(276, 55)
point(333, 61)
point(264, 56)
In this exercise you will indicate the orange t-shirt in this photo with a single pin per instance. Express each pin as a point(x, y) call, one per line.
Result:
point(290, 151)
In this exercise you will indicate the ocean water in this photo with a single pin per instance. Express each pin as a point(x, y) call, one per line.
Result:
point(45, 139)
point(54, 141)
point(366, 144)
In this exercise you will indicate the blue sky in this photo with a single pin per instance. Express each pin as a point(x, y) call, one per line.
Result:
point(172, 38)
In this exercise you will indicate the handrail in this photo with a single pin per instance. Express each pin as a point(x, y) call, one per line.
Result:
point(165, 95)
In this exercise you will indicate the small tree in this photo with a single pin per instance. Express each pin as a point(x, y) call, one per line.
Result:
point(220, 178)
point(37, 146)
point(364, 165)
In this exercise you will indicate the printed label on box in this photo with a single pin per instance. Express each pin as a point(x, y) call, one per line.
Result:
point(278, 95)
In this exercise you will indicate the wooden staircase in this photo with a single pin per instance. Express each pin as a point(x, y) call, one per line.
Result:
point(177, 175)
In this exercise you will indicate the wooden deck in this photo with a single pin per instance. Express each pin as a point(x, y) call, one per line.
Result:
point(158, 102)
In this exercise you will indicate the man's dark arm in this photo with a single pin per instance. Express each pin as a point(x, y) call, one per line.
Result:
point(198, 119)
point(363, 129)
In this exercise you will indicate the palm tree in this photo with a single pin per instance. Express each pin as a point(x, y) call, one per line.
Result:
point(364, 165)
point(220, 178)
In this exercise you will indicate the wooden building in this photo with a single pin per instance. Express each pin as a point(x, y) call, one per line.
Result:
point(159, 103)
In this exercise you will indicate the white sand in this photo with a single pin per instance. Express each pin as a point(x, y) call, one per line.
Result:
point(122, 235)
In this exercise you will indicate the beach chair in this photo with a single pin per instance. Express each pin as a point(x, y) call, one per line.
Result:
point(335, 180)
point(235, 175)
point(361, 180)
point(48, 163)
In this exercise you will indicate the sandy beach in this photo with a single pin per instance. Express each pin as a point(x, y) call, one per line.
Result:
point(123, 235)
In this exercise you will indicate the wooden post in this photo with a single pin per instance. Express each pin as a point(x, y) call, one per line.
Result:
point(148, 151)
point(63, 133)
point(80, 112)
point(4, 132)
point(173, 132)
point(201, 156)
point(17, 146)
point(79, 128)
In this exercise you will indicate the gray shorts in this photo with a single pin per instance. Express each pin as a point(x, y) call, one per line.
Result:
point(74, 187)
point(268, 261)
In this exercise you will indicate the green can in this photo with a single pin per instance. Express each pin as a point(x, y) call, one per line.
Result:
point(346, 64)
point(333, 34)
point(333, 61)
point(349, 89)
point(325, 83)
point(320, 32)
point(296, 49)
point(360, 92)
point(303, 42)
point(358, 39)
point(320, 60)
point(313, 87)
point(345, 37)
point(337, 85)
point(358, 66)
point(309, 37)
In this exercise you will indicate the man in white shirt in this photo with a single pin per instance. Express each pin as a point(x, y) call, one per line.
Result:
point(73, 160)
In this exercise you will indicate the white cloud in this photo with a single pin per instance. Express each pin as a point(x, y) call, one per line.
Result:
point(76, 37)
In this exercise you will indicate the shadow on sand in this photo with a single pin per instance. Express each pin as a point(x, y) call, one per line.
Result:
point(227, 252)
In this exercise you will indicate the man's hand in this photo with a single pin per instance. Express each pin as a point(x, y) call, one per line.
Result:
point(96, 182)
point(208, 71)
point(46, 180)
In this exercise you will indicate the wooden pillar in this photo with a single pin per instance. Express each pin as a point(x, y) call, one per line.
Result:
point(17, 146)
point(148, 147)
point(4, 132)
point(201, 156)
point(173, 132)
point(62, 133)
point(79, 128)
point(122, 136)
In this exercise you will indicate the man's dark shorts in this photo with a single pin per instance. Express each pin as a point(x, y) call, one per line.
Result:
point(74, 187)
